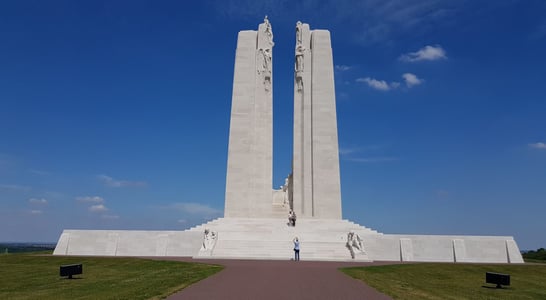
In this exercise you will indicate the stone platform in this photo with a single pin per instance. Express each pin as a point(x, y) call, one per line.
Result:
point(271, 239)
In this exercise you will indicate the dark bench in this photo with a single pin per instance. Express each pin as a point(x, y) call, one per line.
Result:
point(497, 278)
point(69, 270)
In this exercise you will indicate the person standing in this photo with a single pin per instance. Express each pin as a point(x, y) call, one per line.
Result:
point(296, 249)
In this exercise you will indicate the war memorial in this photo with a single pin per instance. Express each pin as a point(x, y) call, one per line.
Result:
point(255, 222)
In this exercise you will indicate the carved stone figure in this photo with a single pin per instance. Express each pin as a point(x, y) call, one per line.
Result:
point(264, 66)
point(264, 55)
point(354, 242)
point(209, 240)
point(299, 66)
point(299, 39)
point(268, 31)
point(299, 83)
point(267, 60)
point(285, 193)
point(264, 61)
point(291, 218)
point(300, 50)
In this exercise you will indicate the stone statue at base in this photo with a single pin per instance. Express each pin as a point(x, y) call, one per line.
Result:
point(354, 243)
point(209, 240)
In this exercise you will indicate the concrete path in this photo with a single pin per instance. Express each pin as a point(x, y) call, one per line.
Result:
point(258, 279)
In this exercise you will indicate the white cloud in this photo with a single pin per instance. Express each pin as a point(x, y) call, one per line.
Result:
point(37, 201)
point(36, 212)
point(538, 145)
point(411, 79)
point(343, 68)
point(381, 85)
point(98, 208)
point(425, 53)
point(111, 182)
point(88, 199)
point(182, 221)
point(196, 209)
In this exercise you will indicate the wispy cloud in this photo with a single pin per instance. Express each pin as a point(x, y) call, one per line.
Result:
point(110, 217)
point(98, 208)
point(343, 68)
point(111, 182)
point(372, 21)
point(366, 154)
point(538, 145)
point(15, 187)
point(372, 159)
point(196, 209)
point(411, 79)
point(39, 201)
point(39, 172)
point(426, 53)
point(35, 212)
point(346, 151)
point(90, 199)
point(380, 85)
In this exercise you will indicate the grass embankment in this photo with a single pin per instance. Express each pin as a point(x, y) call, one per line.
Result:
point(452, 281)
point(25, 276)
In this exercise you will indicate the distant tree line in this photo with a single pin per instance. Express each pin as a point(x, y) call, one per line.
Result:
point(23, 247)
point(539, 254)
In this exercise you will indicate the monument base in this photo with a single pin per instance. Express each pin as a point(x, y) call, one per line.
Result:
point(271, 239)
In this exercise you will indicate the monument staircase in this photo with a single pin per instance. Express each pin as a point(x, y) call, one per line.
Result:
point(252, 238)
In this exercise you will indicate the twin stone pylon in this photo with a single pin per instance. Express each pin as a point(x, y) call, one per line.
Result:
point(313, 189)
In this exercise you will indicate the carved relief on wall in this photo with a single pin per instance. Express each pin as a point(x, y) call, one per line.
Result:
point(299, 56)
point(354, 244)
point(209, 240)
point(264, 55)
point(268, 32)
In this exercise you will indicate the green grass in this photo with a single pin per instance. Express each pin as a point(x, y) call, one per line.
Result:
point(24, 276)
point(452, 281)
point(536, 261)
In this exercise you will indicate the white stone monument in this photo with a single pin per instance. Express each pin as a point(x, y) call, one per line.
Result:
point(250, 154)
point(316, 180)
point(255, 222)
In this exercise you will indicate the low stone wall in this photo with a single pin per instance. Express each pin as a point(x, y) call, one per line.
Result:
point(128, 243)
point(442, 248)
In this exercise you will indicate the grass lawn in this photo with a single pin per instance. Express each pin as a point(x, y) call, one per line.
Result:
point(28, 276)
point(452, 281)
point(537, 261)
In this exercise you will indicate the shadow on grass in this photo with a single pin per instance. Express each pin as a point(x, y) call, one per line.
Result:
point(495, 288)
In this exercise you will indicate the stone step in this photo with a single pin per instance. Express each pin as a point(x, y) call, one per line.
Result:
point(305, 225)
point(272, 238)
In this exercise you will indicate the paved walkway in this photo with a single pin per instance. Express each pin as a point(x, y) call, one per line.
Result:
point(258, 279)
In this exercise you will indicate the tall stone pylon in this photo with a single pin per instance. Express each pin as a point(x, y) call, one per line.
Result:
point(316, 179)
point(250, 154)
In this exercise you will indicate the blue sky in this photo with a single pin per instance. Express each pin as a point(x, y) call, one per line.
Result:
point(115, 114)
